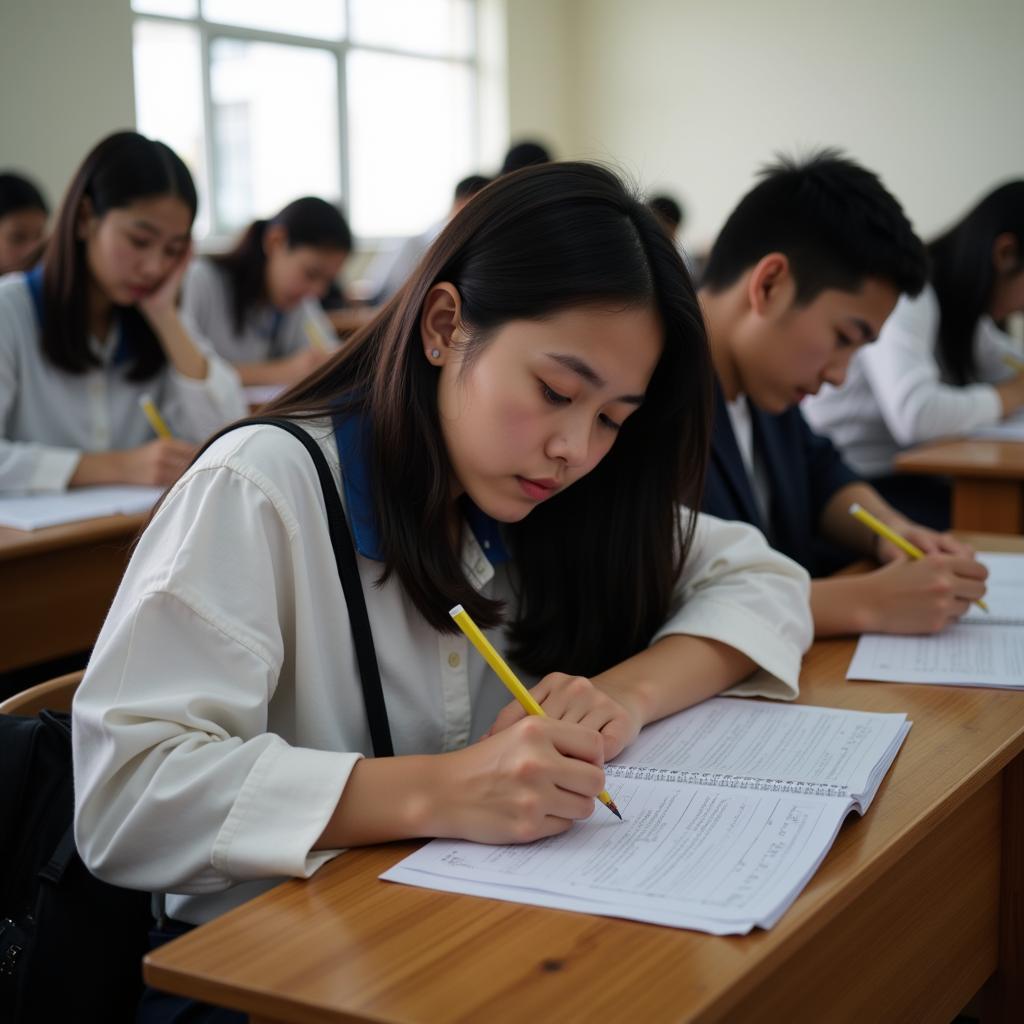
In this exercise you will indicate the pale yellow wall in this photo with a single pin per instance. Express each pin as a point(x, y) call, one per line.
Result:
point(696, 94)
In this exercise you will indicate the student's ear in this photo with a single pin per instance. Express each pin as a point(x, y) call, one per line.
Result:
point(1005, 254)
point(770, 288)
point(84, 219)
point(275, 239)
point(439, 322)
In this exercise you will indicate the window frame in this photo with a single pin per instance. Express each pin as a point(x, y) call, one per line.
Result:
point(209, 31)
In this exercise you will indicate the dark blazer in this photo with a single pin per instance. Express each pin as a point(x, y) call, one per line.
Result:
point(804, 470)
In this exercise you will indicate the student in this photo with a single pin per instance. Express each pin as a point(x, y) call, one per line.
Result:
point(259, 304)
point(938, 366)
point(805, 271)
point(94, 328)
point(526, 153)
point(670, 216)
point(23, 213)
point(515, 433)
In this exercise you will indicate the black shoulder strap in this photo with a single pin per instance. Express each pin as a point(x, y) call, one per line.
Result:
point(348, 571)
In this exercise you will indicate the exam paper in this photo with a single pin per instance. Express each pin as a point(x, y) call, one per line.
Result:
point(730, 740)
point(965, 654)
point(690, 856)
point(34, 511)
point(1005, 590)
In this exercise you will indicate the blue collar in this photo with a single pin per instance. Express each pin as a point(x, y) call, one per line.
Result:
point(34, 280)
point(353, 450)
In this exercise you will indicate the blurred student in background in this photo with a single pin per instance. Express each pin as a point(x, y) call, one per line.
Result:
point(95, 328)
point(670, 215)
point(259, 303)
point(23, 213)
point(941, 365)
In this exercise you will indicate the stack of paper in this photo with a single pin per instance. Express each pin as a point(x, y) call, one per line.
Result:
point(34, 511)
point(729, 807)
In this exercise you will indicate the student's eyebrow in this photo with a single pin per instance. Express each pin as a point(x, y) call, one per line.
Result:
point(588, 373)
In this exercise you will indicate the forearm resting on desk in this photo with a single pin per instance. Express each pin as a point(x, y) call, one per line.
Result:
point(906, 596)
point(675, 673)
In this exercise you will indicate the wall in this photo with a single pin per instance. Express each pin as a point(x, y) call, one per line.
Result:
point(695, 96)
point(65, 79)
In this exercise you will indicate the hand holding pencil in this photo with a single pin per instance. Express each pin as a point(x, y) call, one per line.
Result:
point(508, 677)
point(913, 552)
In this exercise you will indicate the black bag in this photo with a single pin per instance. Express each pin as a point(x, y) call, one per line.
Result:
point(71, 946)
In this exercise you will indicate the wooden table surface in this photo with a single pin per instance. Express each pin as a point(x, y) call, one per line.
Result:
point(916, 906)
point(988, 481)
point(56, 585)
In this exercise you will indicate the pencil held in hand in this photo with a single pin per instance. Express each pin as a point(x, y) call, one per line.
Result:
point(156, 421)
point(509, 678)
point(874, 523)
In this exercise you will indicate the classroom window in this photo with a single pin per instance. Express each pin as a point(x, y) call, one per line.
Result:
point(268, 101)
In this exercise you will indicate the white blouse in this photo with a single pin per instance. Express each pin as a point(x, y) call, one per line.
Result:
point(266, 334)
point(895, 394)
point(49, 417)
point(221, 711)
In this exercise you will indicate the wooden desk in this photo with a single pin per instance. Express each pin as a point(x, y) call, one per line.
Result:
point(988, 481)
point(915, 906)
point(56, 585)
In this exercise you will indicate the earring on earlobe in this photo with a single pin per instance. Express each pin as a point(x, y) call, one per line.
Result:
point(435, 353)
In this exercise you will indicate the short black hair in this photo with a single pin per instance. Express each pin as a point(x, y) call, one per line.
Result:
point(525, 154)
point(18, 193)
point(667, 209)
point(470, 185)
point(833, 220)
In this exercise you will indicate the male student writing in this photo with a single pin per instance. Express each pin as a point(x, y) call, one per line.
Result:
point(806, 270)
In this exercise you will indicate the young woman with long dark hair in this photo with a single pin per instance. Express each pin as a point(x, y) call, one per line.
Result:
point(520, 431)
point(259, 304)
point(94, 328)
point(940, 365)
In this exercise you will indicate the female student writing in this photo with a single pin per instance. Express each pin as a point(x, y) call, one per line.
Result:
point(93, 329)
point(515, 433)
point(23, 213)
point(259, 304)
point(939, 365)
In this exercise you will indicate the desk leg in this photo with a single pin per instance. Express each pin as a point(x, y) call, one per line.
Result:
point(989, 506)
point(1004, 994)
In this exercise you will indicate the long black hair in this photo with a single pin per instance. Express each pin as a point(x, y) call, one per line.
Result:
point(963, 274)
point(308, 221)
point(122, 169)
point(596, 565)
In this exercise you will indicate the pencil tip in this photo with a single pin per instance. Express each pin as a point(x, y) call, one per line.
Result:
point(611, 807)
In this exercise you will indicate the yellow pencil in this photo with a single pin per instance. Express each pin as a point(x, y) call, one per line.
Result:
point(1014, 363)
point(876, 524)
point(508, 677)
point(315, 336)
point(156, 421)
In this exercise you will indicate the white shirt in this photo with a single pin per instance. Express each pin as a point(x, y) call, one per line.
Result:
point(896, 395)
point(267, 334)
point(221, 711)
point(49, 417)
point(757, 471)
